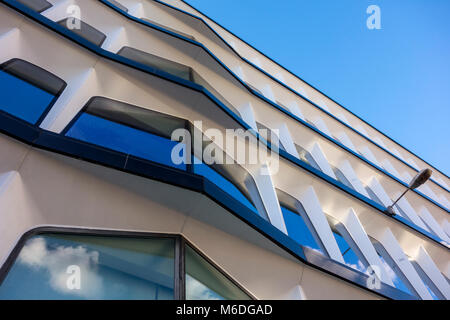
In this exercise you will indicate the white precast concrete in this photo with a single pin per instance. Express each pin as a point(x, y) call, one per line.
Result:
point(341, 117)
point(387, 165)
point(136, 10)
point(433, 277)
point(413, 163)
point(248, 115)
point(295, 109)
point(361, 129)
point(239, 72)
point(379, 191)
point(319, 222)
point(267, 91)
point(350, 174)
point(409, 211)
point(367, 153)
point(345, 140)
point(397, 153)
point(318, 155)
point(280, 77)
point(303, 92)
point(268, 196)
point(433, 225)
point(78, 91)
point(365, 250)
point(286, 140)
point(407, 270)
point(323, 105)
point(446, 227)
point(10, 44)
point(444, 201)
point(320, 124)
point(379, 142)
point(115, 40)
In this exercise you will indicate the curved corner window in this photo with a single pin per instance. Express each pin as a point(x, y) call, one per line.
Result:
point(205, 282)
point(128, 129)
point(36, 5)
point(83, 30)
point(68, 264)
point(57, 266)
point(28, 91)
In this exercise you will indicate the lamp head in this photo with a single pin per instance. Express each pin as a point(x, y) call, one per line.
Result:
point(420, 178)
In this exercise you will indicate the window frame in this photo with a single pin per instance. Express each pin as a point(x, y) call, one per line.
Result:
point(180, 243)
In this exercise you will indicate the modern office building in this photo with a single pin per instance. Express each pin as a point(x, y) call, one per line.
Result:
point(93, 204)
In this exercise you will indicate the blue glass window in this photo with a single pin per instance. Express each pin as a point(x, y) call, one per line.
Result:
point(205, 282)
point(216, 178)
point(350, 257)
point(22, 99)
point(298, 230)
point(122, 138)
point(67, 267)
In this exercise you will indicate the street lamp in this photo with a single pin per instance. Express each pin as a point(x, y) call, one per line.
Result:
point(417, 181)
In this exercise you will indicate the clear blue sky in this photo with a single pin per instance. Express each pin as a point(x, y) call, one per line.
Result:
point(395, 78)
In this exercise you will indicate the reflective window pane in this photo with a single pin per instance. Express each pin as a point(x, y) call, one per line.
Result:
point(92, 267)
point(124, 139)
point(22, 99)
point(205, 282)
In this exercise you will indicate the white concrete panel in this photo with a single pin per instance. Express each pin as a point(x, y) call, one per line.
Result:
point(440, 181)
point(397, 255)
point(437, 282)
point(239, 72)
point(280, 77)
point(425, 189)
point(115, 40)
point(444, 201)
point(359, 236)
point(323, 105)
point(350, 174)
point(379, 191)
point(286, 140)
point(302, 91)
point(5, 179)
point(345, 140)
point(136, 10)
point(321, 160)
point(413, 164)
point(10, 44)
point(365, 151)
point(446, 227)
point(295, 109)
point(320, 124)
point(409, 211)
point(266, 90)
point(256, 62)
point(248, 115)
point(379, 142)
point(387, 165)
point(361, 129)
point(433, 225)
point(397, 153)
point(269, 198)
point(78, 91)
point(320, 224)
point(341, 117)
point(60, 11)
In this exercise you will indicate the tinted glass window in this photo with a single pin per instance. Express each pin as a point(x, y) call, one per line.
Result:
point(205, 282)
point(224, 184)
point(84, 30)
point(92, 267)
point(36, 5)
point(22, 99)
point(156, 62)
point(350, 257)
point(124, 139)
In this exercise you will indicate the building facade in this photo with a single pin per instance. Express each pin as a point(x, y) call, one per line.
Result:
point(109, 112)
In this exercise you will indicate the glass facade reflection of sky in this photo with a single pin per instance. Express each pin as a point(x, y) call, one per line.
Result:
point(110, 268)
point(124, 139)
point(22, 99)
point(205, 282)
